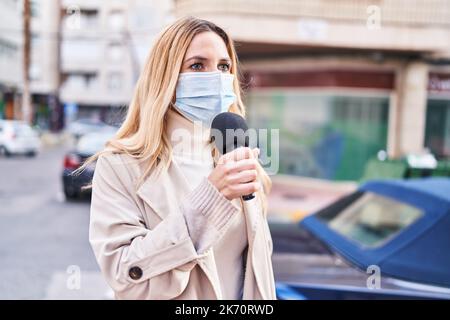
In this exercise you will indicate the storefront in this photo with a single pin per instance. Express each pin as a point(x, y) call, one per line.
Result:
point(9, 100)
point(331, 121)
point(437, 133)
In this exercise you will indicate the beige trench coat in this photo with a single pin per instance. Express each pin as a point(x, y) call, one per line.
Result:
point(142, 242)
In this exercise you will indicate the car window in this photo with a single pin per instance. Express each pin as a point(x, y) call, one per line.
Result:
point(371, 220)
point(23, 130)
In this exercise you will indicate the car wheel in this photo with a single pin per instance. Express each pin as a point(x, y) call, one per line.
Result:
point(31, 154)
point(4, 151)
point(71, 194)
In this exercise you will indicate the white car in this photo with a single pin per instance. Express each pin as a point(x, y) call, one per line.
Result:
point(17, 137)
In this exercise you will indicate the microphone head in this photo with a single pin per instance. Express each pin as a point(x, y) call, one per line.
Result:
point(228, 131)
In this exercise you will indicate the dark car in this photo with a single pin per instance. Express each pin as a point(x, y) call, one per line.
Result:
point(387, 240)
point(88, 145)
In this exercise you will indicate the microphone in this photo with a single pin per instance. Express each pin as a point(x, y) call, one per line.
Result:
point(227, 142)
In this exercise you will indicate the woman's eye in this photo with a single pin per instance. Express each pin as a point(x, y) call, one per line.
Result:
point(224, 67)
point(196, 66)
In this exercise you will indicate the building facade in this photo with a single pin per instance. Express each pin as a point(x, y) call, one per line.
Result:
point(342, 80)
point(43, 73)
point(10, 58)
point(44, 68)
point(103, 46)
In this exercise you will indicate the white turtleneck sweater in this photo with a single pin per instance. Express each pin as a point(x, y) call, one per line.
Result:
point(192, 151)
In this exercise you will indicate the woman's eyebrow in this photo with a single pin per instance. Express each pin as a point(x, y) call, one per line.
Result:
point(226, 59)
point(204, 58)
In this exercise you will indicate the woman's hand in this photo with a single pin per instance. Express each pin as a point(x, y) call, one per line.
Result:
point(235, 174)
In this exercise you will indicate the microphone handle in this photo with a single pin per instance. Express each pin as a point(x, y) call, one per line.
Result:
point(248, 197)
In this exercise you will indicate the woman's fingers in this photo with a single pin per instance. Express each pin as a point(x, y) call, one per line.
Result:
point(244, 176)
point(236, 173)
point(238, 166)
point(240, 154)
point(242, 189)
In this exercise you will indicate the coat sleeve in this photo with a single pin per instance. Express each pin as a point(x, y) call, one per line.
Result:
point(153, 264)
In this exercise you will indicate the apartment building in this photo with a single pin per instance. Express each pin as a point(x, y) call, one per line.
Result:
point(103, 46)
point(44, 68)
point(342, 79)
point(10, 57)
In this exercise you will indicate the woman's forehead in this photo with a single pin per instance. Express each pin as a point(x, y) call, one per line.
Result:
point(207, 44)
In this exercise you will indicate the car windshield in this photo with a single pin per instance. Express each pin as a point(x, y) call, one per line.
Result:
point(23, 130)
point(372, 220)
point(90, 122)
point(91, 143)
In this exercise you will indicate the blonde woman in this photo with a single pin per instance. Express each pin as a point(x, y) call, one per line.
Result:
point(167, 224)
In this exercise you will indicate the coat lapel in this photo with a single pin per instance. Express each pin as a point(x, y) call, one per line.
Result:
point(162, 191)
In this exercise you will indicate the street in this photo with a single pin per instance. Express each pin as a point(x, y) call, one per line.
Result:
point(44, 252)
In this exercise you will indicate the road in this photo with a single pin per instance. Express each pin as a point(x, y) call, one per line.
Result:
point(44, 250)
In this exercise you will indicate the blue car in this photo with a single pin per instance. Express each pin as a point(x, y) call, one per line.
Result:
point(388, 240)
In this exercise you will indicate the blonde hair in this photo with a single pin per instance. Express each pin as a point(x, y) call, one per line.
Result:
point(142, 135)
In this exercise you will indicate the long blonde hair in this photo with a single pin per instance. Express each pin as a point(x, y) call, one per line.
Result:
point(142, 135)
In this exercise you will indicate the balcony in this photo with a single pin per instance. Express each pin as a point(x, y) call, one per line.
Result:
point(83, 4)
point(393, 25)
point(89, 88)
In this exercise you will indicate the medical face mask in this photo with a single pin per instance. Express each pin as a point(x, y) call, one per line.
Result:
point(200, 96)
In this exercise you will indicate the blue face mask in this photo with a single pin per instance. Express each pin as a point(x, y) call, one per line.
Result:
point(200, 96)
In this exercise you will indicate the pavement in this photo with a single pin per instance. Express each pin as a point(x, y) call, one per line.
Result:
point(44, 250)
point(51, 139)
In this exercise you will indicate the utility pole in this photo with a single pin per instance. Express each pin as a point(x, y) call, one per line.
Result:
point(27, 115)
point(57, 113)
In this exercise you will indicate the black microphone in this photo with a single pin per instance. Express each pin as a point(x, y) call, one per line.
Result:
point(235, 138)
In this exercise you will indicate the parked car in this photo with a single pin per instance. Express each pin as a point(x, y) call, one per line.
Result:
point(397, 229)
point(80, 127)
point(88, 145)
point(17, 137)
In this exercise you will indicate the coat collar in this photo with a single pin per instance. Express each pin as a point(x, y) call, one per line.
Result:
point(161, 191)
point(188, 139)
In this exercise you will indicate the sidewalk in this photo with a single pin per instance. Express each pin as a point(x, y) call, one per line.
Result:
point(55, 139)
